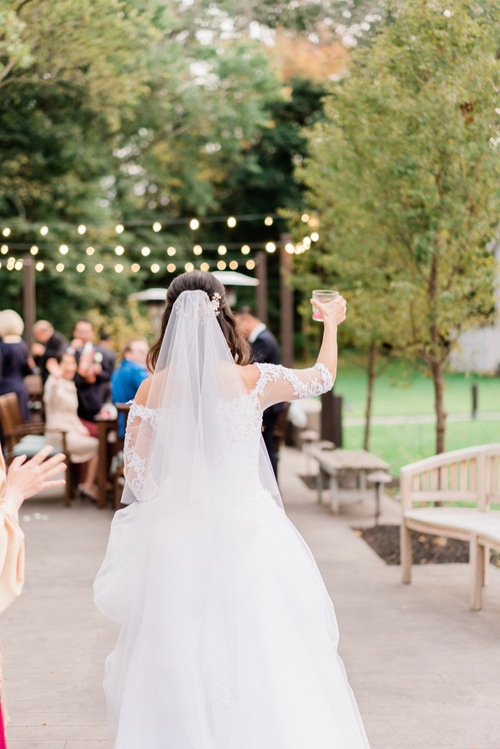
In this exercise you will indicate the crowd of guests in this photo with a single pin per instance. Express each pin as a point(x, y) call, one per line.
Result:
point(79, 378)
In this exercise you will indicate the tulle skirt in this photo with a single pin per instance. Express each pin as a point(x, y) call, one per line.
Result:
point(228, 636)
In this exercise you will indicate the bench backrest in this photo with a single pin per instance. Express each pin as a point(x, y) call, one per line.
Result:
point(471, 475)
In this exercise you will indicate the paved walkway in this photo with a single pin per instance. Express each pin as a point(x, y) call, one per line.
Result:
point(425, 669)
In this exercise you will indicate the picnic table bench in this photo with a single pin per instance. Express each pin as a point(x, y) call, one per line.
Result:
point(347, 473)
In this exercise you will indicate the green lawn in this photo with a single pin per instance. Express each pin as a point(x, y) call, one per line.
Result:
point(405, 443)
point(400, 391)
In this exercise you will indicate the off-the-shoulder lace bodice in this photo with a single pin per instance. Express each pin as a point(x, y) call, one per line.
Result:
point(243, 419)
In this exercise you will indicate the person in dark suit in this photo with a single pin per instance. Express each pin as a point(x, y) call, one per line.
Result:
point(265, 348)
point(49, 345)
point(95, 367)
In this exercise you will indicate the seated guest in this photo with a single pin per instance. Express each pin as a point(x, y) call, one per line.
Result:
point(15, 360)
point(49, 344)
point(129, 375)
point(61, 415)
point(95, 366)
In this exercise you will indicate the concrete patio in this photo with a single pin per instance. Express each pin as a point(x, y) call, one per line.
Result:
point(425, 669)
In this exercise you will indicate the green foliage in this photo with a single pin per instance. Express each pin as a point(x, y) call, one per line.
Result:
point(404, 173)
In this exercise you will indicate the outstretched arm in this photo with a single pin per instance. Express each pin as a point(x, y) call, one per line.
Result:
point(333, 314)
point(277, 383)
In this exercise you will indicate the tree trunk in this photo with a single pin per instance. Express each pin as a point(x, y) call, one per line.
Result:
point(436, 362)
point(372, 358)
point(438, 379)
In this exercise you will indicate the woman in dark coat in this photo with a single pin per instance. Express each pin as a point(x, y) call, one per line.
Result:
point(15, 360)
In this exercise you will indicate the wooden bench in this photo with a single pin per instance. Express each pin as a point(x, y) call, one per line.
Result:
point(451, 495)
point(347, 472)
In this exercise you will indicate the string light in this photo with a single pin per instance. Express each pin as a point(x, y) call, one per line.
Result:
point(155, 268)
point(189, 267)
point(193, 222)
point(305, 218)
point(197, 249)
point(80, 267)
point(4, 249)
point(60, 267)
point(270, 247)
point(10, 263)
point(34, 249)
point(245, 250)
point(171, 251)
point(145, 251)
point(306, 242)
point(119, 250)
point(171, 267)
point(118, 268)
point(314, 236)
point(18, 265)
point(222, 249)
point(90, 251)
point(290, 248)
point(63, 249)
point(205, 267)
point(39, 266)
point(233, 264)
point(250, 264)
point(99, 268)
point(221, 265)
point(135, 267)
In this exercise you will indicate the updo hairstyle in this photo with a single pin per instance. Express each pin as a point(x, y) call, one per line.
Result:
point(199, 280)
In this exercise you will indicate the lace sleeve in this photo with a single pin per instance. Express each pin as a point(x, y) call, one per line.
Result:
point(277, 383)
point(140, 419)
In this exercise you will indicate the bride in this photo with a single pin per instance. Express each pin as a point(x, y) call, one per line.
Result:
point(228, 636)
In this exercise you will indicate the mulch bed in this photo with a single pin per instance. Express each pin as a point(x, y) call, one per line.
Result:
point(427, 549)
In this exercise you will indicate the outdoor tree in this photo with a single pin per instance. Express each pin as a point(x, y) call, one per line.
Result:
point(404, 174)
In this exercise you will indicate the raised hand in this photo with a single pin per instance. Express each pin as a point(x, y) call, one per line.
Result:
point(333, 312)
point(24, 479)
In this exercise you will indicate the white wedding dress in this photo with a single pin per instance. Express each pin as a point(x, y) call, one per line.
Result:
point(228, 636)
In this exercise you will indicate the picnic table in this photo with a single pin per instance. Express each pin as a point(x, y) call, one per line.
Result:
point(347, 474)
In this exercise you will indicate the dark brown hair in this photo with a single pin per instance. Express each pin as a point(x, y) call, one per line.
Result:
point(201, 280)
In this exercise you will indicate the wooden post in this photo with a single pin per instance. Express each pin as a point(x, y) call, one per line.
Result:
point(29, 298)
point(286, 303)
point(261, 273)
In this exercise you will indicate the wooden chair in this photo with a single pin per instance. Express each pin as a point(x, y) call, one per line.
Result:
point(27, 438)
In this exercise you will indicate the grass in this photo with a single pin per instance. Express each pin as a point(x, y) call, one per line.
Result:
point(405, 443)
point(402, 391)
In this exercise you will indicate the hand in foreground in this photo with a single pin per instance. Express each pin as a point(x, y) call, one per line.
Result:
point(332, 312)
point(24, 479)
